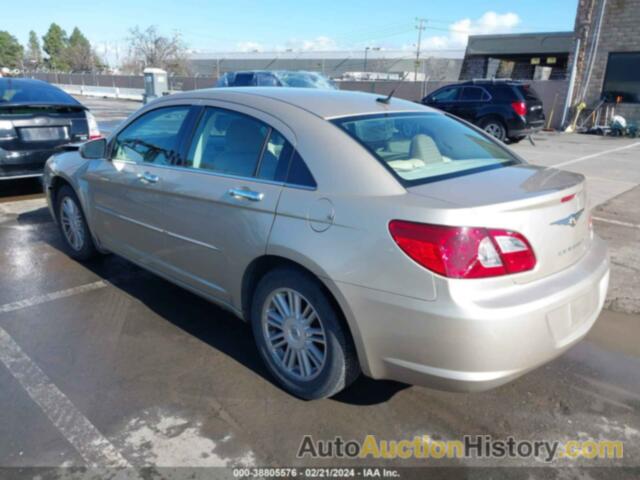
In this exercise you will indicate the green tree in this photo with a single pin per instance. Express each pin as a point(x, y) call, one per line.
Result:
point(11, 51)
point(55, 42)
point(79, 55)
point(33, 57)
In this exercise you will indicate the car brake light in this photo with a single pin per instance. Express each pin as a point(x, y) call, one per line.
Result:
point(7, 132)
point(520, 108)
point(94, 131)
point(464, 252)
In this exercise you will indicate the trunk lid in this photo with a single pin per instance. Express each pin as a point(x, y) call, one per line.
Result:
point(40, 127)
point(547, 206)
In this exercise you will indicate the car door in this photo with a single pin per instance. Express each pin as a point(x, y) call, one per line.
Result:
point(469, 103)
point(219, 203)
point(125, 189)
point(445, 98)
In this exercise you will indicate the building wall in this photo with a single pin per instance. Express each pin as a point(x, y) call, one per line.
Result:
point(620, 32)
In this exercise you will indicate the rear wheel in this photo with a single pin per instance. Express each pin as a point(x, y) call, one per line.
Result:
point(494, 127)
point(517, 139)
point(73, 225)
point(300, 336)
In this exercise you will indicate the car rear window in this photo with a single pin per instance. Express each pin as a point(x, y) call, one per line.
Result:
point(425, 147)
point(528, 93)
point(16, 91)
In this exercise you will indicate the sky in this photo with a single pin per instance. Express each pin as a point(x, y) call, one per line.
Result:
point(270, 25)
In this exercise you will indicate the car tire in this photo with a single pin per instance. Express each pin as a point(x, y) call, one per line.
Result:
point(73, 226)
point(322, 359)
point(493, 127)
point(513, 140)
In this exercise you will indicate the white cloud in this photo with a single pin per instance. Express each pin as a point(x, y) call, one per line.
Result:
point(250, 47)
point(318, 43)
point(458, 32)
point(489, 22)
point(315, 44)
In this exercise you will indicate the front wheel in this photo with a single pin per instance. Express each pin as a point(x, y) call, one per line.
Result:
point(494, 127)
point(73, 225)
point(300, 336)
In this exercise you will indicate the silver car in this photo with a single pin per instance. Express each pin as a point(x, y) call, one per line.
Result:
point(354, 233)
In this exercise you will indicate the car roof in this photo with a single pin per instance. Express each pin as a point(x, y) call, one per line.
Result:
point(496, 82)
point(323, 103)
point(274, 72)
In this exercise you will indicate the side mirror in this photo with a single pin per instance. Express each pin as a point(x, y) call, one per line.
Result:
point(94, 149)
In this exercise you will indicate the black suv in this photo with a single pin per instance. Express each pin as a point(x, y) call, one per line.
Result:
point(508, 110)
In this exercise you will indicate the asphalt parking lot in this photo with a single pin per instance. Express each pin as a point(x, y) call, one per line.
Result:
point(105, 364)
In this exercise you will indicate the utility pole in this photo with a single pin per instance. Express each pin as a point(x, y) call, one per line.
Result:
point(366, 50)
point(420, 27)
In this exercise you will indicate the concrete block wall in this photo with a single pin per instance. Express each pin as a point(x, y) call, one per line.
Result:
point(620, 32)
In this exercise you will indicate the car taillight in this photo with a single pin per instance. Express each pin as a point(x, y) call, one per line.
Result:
point(464, 252)
point(94, 131)
point(520, 108)
point(7, 132)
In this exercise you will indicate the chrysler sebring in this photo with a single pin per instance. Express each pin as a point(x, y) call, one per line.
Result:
point(354, 233)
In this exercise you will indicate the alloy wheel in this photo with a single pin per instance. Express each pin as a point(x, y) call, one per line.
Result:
point(294, 334)
point(495, 130)
point(72, 224)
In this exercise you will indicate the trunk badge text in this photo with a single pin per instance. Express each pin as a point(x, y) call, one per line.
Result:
point(570, 220)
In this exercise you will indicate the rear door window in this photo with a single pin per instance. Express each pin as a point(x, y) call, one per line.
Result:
point(267, 80)
point(227, 142)
point(474, 94)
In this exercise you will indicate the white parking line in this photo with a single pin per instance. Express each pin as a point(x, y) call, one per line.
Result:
point(94, 448)
point(29, 302)
point(616, 222)
point(594, 155)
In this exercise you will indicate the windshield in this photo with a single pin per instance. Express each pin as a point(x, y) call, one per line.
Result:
point(17, 91)
point(304, 80)
point(424, 147)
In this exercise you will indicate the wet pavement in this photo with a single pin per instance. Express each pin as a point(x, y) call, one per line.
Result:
point(103, 363)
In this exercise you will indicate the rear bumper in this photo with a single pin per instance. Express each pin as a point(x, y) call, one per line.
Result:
point(464, 342)
point(23, 163)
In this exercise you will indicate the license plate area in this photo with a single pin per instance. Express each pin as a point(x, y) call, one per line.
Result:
point(44, 134)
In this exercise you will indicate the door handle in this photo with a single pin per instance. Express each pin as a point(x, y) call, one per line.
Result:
point(246, 194)
point(147, 177)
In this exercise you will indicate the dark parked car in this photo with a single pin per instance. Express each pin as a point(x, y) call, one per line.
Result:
point(35, 119)
point(508, 110)
point(275, 78)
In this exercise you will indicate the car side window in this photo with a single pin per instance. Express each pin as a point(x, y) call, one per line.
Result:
point(227, 142)
point(152, 138)
point(473, 94)
point(299, 173)
point(445, 95)
point(267, 80)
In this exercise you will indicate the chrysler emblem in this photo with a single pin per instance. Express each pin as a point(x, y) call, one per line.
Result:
point(571, 220)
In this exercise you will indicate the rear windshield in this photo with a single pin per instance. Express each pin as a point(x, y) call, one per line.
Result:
point(528, 93)
point(425, 147)
point(16, 91)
